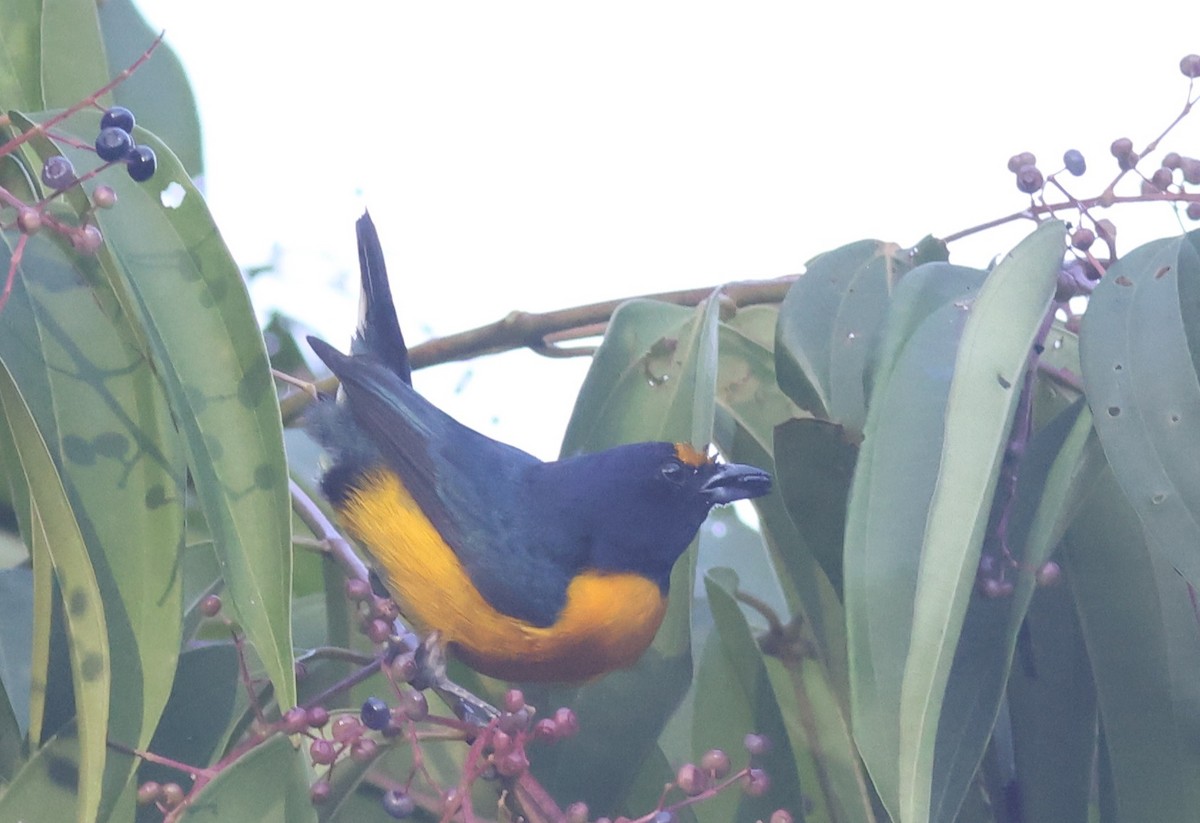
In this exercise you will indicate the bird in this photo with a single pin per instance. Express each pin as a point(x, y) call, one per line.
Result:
point(526, 570)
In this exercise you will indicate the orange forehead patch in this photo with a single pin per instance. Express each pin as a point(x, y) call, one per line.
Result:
point(689, 455)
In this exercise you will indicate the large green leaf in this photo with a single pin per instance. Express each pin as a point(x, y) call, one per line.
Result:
point(750, 406)
point(1052, 706)
point(938, 421)
point(1142, 385)
point(829, 322)
point(1141, 636)
point(20, 56)
point(993, 354)
point(72, 63)
point(169, 271)
point(55, 540)
point(1054, 475)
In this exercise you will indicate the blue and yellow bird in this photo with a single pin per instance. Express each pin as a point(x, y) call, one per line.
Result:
point(528, 570)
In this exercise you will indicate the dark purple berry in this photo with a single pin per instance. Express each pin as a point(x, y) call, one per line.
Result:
point(141, 163)
point(1193, 211)
point(113, 144)
point(1049, 574)
point(1121, 147)
point(210, 606)
point(118, 117)
point(363, 750)
point(398, 804)
point(1073, 160)
point(295, 720)
point(322, 752)
point(1190, 66)
point(375, 713)
point(357, 590)
point(1171, 160)
point(545, 729)
point(148, 793)
point(514, 700)
point(1162, 178)
point(1190, 167)
point(566, 721)
point(1025, 158)
point(320, 792)
point(1083, 238)
point(512, 763)
point(1029, 179)
point(318, 716)
point(57, 172)
point(691, 780)
point(756, 744)
point(755, 783)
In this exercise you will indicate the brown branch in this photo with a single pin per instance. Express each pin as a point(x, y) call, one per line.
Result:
point(530, 330)
point(542, 332)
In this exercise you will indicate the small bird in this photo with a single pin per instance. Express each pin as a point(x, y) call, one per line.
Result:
point(527, 570)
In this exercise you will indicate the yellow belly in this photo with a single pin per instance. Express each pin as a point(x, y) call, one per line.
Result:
point(608, 621)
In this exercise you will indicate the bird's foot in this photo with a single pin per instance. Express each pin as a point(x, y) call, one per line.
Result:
point(431, 674)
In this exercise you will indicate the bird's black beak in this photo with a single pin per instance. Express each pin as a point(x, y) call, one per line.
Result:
point(734, 481)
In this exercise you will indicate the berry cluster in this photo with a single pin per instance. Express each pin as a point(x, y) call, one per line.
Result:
point(114, 144)
point(1168, 182)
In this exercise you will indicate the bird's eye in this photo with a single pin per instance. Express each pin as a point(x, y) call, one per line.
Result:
point(675, 472)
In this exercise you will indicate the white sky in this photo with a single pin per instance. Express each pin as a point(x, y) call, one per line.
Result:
point(522, 155)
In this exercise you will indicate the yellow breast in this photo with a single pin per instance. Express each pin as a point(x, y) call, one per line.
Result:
point(608, 621)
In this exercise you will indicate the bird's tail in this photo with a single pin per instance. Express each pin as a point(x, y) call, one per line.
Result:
point(378, 329)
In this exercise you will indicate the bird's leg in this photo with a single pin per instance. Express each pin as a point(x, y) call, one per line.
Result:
point(431, 674)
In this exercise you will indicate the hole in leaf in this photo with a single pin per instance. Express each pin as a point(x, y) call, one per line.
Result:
point(1124, 281)
point(1114, 411)
point(1003, 383)
point(172, 196)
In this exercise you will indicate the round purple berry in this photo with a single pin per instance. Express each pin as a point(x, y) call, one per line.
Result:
point(113, 144)
point(141, 163)
point(375, 713)
point(57, 172)
point(398, 804)
point(118, 117)
point(1073, 160)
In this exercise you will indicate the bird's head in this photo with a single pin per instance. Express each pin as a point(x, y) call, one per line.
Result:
point(645, 501)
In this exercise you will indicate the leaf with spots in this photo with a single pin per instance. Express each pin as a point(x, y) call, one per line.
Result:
point(55, 539)
point(1140, 377)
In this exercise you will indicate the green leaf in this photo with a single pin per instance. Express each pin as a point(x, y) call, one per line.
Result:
point(237, 792)
point(171, 273)
point(993, 354)
point(158, 93)
point(828, 324)
point(749, 407)
point(1052, 704)
point(1054, 475)
point(814, 462)
point(72, 54)
point(1141, 634)
point(56, 541)
point(1142, 386)
point(20, 57)
point(753, 687)
point(49, 786)
point(16, 651)
point(937, 425)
